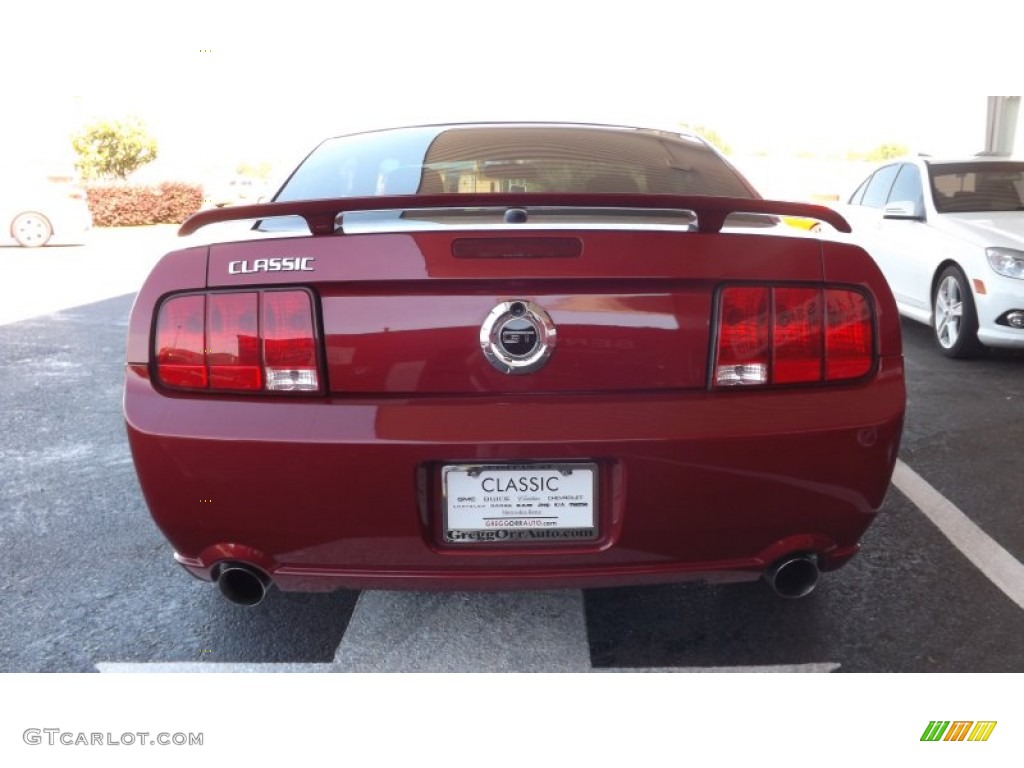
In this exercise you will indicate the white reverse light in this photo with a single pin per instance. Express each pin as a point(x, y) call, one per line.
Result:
point(291, 379)
point(739, 375)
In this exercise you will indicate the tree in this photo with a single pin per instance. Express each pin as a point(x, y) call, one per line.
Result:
point(113, 148)
point(253, 171)
point(887, 152)
point(880, 153)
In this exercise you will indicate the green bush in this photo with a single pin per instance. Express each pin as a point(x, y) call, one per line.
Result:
point(133, 206)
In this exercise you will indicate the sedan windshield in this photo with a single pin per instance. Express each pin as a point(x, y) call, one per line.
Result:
point(978, 186)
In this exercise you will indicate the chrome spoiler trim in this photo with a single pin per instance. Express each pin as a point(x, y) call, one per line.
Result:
point(321, 215)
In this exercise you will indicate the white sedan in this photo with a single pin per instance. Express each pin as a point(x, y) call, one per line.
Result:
point(949, 237)
point(44, 209)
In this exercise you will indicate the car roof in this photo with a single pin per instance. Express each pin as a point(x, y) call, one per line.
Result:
point(979, 159)
point(535, 123)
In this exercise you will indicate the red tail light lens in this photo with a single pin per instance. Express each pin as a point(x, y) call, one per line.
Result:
point(233, 348)
point(797, 335)
point(181, 342)
point(849, 335)
point(256, 341)
point(771, 335)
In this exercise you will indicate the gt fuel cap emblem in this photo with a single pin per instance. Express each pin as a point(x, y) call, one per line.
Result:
point(517, 337)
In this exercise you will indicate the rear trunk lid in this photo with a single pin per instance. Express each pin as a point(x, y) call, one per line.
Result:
point(434, 312)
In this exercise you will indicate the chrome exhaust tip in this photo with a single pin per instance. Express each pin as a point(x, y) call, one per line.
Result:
point(243, 584)
point(794, 576)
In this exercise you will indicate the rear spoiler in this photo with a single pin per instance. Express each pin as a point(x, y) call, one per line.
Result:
point(321, 215)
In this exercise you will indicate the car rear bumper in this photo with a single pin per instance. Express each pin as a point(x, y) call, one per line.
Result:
point(344, 493)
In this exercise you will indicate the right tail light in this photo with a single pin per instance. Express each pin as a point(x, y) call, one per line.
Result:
point(775, 334)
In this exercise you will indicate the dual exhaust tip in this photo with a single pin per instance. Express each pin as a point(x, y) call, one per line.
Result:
point(242, 584)
point(794, 576)
point(791, 577)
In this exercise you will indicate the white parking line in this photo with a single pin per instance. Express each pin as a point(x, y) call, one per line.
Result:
point(116, 667)
point(113, 667)
point(774, 668)
point(542, 631)
point(998, 565)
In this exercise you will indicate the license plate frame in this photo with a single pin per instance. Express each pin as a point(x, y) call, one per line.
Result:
point(523, 503)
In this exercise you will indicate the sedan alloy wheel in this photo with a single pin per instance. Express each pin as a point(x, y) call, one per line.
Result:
point(954, 318)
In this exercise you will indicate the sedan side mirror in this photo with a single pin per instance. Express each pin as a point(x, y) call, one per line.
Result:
point(904, 209)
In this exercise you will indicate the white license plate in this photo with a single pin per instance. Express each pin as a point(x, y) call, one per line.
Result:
point(519, 503)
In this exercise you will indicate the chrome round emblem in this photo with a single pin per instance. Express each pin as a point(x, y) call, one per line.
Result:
point(517, 337)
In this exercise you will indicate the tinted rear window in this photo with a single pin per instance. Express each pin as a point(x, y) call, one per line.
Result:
point(516, 158)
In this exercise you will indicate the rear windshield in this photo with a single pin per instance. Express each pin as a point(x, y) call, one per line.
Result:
point(976, 187)
point(513, 158)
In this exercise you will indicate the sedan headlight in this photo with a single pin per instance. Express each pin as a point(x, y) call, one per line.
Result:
point(1006, 261)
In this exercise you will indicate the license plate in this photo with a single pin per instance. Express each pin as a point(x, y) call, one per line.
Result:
point(519, 503)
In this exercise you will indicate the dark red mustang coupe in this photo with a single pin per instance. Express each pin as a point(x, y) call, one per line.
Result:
point(500, 356)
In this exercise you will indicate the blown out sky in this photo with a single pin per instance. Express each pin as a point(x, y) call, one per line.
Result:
point(219, 83)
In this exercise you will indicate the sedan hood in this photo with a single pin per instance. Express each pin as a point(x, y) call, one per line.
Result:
point(988, 229)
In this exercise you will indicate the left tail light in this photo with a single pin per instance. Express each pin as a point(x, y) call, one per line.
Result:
point(251, 341)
